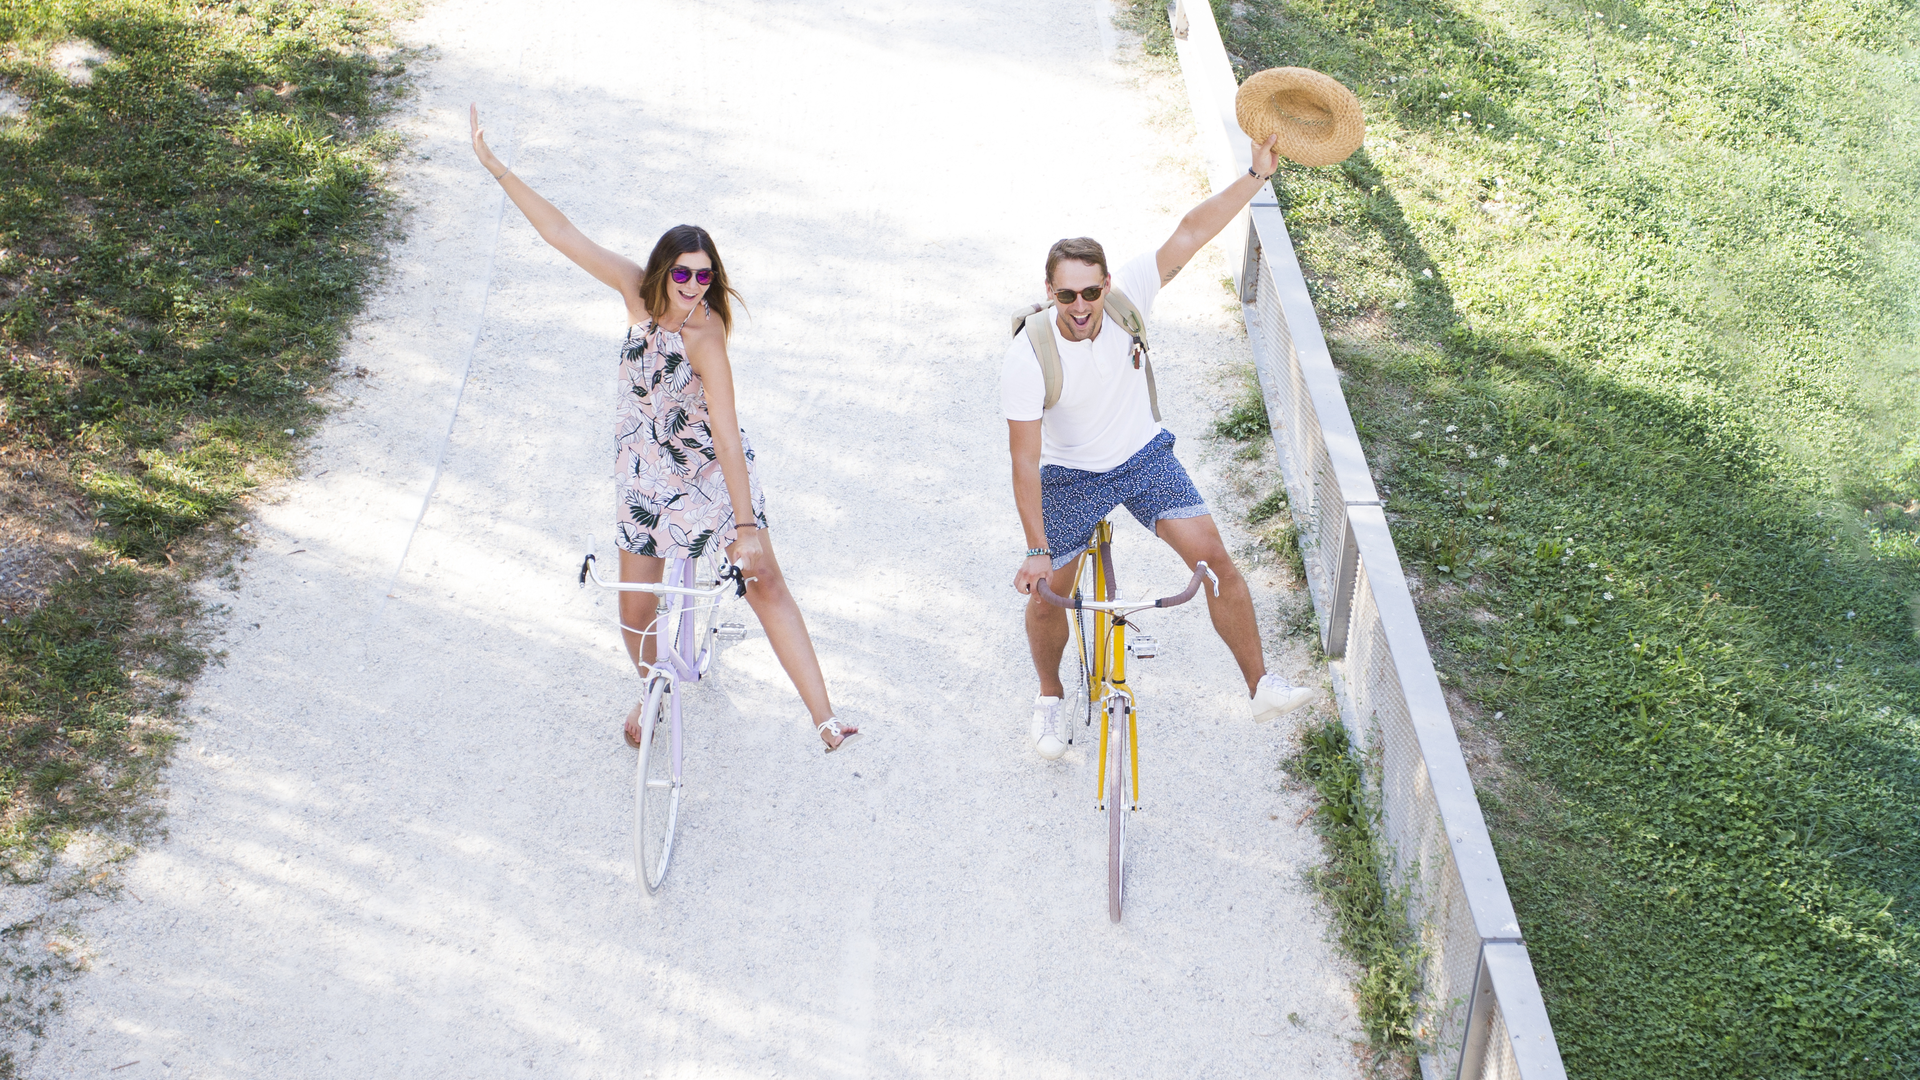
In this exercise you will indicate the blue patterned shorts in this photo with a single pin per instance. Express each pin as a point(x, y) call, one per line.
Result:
point(1152, 484)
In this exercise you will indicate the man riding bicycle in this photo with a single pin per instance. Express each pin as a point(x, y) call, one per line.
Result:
point(1085, 437)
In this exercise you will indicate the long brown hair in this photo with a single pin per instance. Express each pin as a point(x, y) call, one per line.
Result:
point(675, 242)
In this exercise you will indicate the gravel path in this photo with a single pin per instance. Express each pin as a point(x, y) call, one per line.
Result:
point(399, 822)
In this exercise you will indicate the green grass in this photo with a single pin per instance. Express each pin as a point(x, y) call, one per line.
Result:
point(1634, 348)
point(1623, 293)
point(182, 241)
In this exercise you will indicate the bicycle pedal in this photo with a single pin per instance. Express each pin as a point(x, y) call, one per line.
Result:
point(731, 631)
point(1142, 647)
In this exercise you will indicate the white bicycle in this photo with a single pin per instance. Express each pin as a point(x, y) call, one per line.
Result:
point(687, 634)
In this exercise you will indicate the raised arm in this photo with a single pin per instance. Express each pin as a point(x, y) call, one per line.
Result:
point(616, 271)
point(1205, 221)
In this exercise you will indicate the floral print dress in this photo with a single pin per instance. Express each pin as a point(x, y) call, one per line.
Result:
point(673, 496)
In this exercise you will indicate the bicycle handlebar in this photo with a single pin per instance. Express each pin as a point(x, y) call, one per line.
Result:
point(1200, 573)
point(729, 575)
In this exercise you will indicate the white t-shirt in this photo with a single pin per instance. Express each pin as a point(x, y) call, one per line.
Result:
point(1103, 416)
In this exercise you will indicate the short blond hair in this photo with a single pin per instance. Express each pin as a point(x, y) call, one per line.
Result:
point(1080, 249)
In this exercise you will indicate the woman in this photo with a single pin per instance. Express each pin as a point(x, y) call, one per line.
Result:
point(685, 469)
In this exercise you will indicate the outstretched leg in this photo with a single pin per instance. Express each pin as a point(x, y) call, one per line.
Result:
point(786, 629)
point(1197, 539)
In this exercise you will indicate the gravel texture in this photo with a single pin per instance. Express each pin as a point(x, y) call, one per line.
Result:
point(399, 824)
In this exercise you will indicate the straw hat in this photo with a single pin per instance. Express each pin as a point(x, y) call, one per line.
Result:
point(1318, 120)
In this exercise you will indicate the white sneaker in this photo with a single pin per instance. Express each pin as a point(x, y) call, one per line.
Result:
point(1046, 727)
point(1276, 697)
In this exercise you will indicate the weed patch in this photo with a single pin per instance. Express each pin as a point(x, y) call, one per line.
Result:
point(1371, 920)
point(1247, 420)
point(1276, 531)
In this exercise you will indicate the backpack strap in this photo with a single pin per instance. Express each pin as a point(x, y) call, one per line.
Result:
point(1036, 320)
point(1135, 324)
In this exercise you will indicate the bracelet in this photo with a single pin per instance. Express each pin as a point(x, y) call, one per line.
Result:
point(1257, 176)
point(745, 524)
point(504, 172)
point(1031, 552)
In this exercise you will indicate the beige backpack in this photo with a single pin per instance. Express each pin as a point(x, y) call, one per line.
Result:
point(1034, 321)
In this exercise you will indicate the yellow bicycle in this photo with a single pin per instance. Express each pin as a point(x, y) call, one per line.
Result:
point(1101, 622)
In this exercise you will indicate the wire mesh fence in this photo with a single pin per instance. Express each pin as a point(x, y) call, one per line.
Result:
point(1390, 698)
point(1481, 1014)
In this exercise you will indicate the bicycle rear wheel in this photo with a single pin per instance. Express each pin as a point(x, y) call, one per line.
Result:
point(656, 786)
point(1119, 722)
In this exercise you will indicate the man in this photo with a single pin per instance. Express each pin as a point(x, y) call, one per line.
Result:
point(1099, 447)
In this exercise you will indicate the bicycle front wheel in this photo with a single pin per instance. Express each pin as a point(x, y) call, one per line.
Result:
point(1119, 720)
point(656, 786)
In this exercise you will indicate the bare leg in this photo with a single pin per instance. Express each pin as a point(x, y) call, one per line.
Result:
point(786, 631)
point(1048, 629)
point(1196, 539)
point(637, 610)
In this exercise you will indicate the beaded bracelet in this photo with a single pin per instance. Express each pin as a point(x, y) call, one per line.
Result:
point(1031, 552)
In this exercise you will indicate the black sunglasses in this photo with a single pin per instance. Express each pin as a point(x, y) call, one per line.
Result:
point(680, 274)
point(1065, 296)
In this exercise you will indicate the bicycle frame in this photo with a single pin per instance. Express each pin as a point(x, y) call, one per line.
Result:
point(681, 654)
point(677, 657)
point(1107, 667)
point(1107, 677)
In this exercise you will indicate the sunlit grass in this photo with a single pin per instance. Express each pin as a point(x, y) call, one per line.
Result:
point(183, 235)
point(1625, 298)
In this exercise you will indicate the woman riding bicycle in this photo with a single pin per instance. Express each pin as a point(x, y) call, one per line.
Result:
point(686, 480)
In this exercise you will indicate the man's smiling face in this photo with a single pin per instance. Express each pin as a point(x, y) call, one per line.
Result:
point(1081, 319)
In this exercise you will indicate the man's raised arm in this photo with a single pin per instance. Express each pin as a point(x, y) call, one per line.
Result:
point(1205, 221)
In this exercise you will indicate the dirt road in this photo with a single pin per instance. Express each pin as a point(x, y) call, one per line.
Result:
point(399, 822)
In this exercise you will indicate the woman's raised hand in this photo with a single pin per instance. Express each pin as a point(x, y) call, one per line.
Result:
point(491, 163)
point(615, 271)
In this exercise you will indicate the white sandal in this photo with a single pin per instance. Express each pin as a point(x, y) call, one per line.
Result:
point(845, 737)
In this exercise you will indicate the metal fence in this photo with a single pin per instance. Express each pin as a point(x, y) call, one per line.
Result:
point(1481, 1014)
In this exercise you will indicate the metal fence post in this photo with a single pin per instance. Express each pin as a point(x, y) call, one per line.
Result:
point(1346, 575)
point(1250, 260)
point(1473, 1045)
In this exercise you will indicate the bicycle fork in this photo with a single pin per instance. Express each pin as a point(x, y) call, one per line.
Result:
point(1117, 707)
